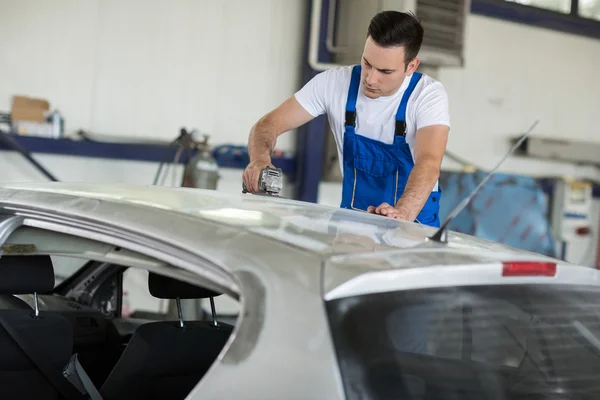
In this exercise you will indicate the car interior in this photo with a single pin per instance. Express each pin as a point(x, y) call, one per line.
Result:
point(131, 358)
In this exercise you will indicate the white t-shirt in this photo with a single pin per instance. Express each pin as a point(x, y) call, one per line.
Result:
point(327, 93)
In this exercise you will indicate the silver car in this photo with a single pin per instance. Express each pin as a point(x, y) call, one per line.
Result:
point(334, 304)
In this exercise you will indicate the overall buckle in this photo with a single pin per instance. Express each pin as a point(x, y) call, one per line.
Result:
point(400, 128)
point(351, 118)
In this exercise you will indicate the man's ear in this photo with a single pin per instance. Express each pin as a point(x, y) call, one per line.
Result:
point(412, 66)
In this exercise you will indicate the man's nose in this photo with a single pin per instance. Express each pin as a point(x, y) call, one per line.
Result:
point(371, 78)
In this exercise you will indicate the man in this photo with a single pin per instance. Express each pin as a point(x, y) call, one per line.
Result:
point(390, 123)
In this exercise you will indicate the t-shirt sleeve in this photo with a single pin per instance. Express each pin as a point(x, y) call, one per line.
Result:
point(314, 95)
point(432, 107)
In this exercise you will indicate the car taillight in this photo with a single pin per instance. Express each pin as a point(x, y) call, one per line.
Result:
point(528, 268)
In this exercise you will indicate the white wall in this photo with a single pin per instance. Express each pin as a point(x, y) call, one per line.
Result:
point(513, 75)
point(145, 68)
point(148, 67)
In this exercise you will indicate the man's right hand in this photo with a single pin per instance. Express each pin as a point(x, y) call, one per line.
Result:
point(252, 172)
point(263, 137)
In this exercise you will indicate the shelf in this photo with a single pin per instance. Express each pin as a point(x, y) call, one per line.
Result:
point(122, 151)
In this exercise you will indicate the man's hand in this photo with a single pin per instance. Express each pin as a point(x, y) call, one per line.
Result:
point(252, 172)
point(430, 145)
point(390, 211)
point(429, 150)
point(263, 137)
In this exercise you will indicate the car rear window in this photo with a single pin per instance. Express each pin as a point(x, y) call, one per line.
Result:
point(494, 342)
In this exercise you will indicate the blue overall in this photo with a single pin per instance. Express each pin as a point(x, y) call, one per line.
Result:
point(376, 172)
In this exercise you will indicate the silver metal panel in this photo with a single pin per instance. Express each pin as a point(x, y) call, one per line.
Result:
point(562, 149)
point(267, 346)
point(271, 252)
point(444, 22)
point(199, 221)
point(292, 355)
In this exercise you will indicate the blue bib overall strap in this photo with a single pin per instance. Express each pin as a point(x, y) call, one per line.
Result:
point(376, 172)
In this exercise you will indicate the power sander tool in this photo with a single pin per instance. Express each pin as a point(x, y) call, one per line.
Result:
point(270, 182)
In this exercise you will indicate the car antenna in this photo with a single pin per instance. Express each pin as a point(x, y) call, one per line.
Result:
point(441, 235)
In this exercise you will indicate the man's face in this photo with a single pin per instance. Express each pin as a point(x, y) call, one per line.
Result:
point(383, 69)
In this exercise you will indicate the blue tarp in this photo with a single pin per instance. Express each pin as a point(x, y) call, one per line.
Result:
point(509, 209)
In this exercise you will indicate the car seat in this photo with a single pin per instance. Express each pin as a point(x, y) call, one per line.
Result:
point(166, 359)
point(49, 336)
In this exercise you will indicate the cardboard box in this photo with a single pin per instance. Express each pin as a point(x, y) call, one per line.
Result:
point(29, 109)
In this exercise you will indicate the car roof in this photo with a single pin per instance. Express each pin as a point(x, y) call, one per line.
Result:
point(314, 228)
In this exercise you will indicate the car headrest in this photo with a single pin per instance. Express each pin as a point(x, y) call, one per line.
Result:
point(26, 274)
point(163, 287)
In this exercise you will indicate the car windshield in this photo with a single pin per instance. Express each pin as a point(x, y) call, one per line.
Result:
point(495, 342)
point(65, 267)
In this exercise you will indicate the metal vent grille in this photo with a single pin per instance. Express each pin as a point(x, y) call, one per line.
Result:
point(444, 24)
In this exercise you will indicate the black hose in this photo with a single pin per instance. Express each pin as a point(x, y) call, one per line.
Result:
point(13, 144)
point(167, 155)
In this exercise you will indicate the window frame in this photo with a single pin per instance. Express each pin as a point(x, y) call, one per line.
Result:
point(571, 23)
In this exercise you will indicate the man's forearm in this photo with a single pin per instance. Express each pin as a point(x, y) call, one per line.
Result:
point(262, 141)
point(421, 182)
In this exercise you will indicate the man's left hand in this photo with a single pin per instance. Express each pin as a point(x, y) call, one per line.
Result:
point(389, 211)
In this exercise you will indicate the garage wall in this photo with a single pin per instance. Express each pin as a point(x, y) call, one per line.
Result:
point(148, 67)
point(513, 75)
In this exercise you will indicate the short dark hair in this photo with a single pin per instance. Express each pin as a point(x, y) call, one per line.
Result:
point(395, 28)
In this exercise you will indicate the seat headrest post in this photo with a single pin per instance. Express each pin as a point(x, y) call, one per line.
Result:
point(35, 305)
point(214, 311)
point(179, 312)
